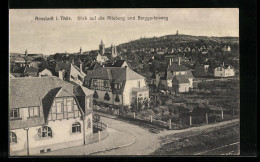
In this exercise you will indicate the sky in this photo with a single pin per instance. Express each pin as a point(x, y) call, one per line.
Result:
point(58, 36)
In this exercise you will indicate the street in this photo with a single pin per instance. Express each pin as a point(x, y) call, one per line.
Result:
point(147, 143)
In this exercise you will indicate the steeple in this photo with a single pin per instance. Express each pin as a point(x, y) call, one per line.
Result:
point(177, 33)
point(102, 48)
point(80, 50)
point(26, 52)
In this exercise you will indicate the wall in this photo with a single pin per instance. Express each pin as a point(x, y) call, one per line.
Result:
point(127, 94)
point(45, 73)
point(191, 82)
point(74, 72)
point(229, 72)
point(101, 95)
point(62, 137)
point(218, 73)
point(183, 87)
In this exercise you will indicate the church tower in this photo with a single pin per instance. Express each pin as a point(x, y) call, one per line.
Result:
point(177, 33)
point(113, 51)
point(102, 48)
point(26, 52)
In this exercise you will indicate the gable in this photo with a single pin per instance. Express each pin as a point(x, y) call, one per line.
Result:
point(64, 108)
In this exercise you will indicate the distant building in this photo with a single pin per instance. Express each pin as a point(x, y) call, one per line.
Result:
point(180, 83)
point(118, 63)
point(226, 48)
point(30, 71)
point(48, 114)
point(70, 72)
point(113, 51)
point(201, 70)
point(177, 69)
point(45, 72)
point(100, 58)
point(117, 86)
point(35, 64)
point(102, 48)
point(224, 71)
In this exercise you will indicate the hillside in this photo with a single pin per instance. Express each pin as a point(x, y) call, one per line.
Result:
point(175, 41)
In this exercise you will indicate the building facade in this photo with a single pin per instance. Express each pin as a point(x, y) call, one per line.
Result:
point(224, 71)
point(117, 86)
point(50, 114)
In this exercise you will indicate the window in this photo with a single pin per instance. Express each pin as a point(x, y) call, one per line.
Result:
point(48, 150)
point(59, 107)
point(41, 151)
point(95, 95)
point(117, 86)
point(15, 113)
point(70, 106)
point(117, 98)
point(33, 111)
point(13, 138)
point(105, 84)
point(76, 128)
point(80, 78)
point(44, 132)
point(90, 103)
point(89, 123)
point(95, 83)
point(107, 97)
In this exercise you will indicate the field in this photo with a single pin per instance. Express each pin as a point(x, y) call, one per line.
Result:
point(215, 141)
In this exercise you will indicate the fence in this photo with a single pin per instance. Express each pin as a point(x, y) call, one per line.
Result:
point(173, 123)
point(99, 135)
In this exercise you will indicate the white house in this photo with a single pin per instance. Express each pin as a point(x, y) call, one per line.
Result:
point(46, 114)
point(177, 69)
point(70, 72)
point(224, 71)
point(45, 72)
point(117, 86)
point(100, 58)
point(180, 83)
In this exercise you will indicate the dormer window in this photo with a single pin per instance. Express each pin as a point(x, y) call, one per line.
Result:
point(117, 86)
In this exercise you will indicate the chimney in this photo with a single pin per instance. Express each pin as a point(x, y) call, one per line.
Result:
point(109, 73)
point(179, 63)
point(80, 67)
point(61, 74)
